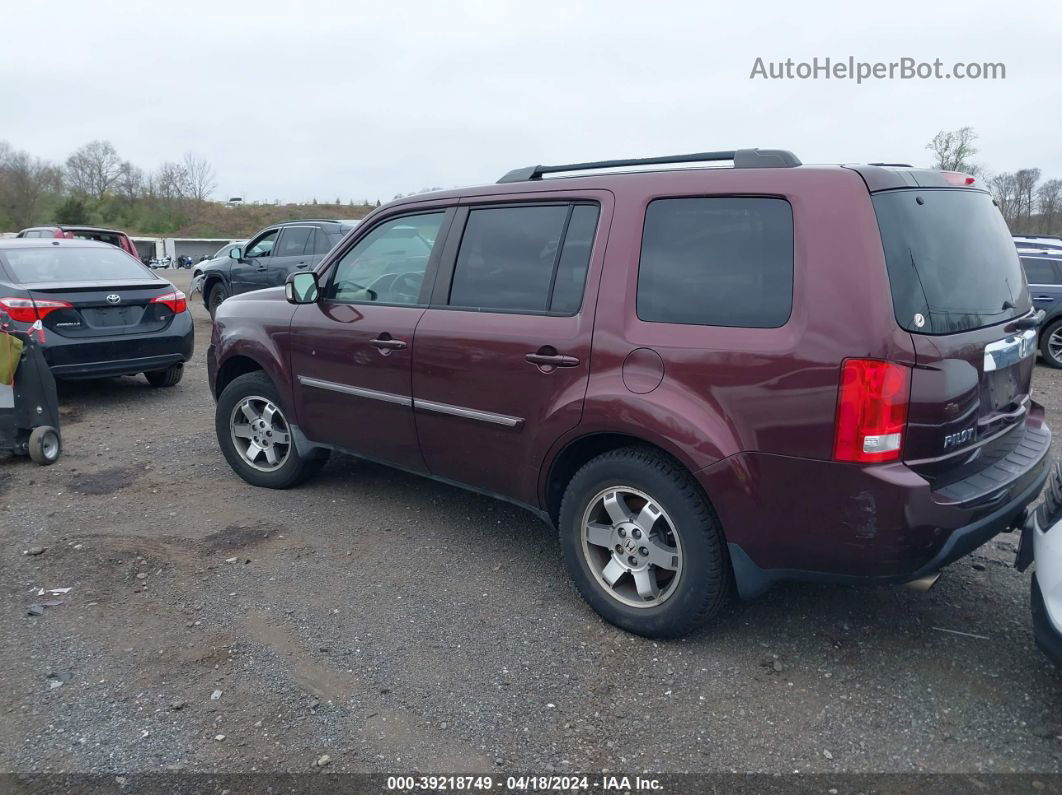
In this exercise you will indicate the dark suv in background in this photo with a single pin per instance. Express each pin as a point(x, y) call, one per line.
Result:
point(268, 258)
point(701, 376)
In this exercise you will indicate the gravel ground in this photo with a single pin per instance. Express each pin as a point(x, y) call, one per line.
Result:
point(396, 624)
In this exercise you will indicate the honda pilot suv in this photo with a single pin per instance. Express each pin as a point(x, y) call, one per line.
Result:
point(703, 377)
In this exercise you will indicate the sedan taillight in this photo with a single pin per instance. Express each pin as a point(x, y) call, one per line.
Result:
point(26, 310)
point(176, 301)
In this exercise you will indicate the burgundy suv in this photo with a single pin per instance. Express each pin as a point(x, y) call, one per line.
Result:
point(701, 376)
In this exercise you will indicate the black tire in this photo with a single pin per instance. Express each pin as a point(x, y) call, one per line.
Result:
point(704, 580)
point(45, 445)
point(1045, 348)
point(216, 295)
point(295, 468)
point(171, 376)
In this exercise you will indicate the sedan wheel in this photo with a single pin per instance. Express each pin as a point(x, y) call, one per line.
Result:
point(260, 433)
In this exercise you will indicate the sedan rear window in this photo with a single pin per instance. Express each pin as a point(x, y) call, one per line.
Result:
point(951, 260)
point(72, 264)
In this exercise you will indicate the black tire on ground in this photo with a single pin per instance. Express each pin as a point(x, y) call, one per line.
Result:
point(45, 446)
point(1045, 339)
point(171, 376)
point(704, 581)
point(294, 470)
point(216, 295)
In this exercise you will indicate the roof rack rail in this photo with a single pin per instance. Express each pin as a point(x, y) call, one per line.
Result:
point(892, 165)
point(743, 158)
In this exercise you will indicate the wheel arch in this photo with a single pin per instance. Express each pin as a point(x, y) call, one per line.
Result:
point(577, 452)
point(235, 366)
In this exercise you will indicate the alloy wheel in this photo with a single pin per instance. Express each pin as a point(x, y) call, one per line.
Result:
point(260, 433)
point(631, 547)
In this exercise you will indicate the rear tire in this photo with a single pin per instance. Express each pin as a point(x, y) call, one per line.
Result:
point(171, 376)
point(249, 422)
point(1053, 331)
point(216, 297)
point(675, 574)
point(45, 446)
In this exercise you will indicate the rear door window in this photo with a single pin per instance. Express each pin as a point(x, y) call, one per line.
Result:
point(530, 259)
point(717, 261)
point(1040, 271)
point(293, 240)
point(951, 260)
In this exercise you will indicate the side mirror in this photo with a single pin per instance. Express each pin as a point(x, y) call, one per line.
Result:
point(301, 288)
point(236, 253)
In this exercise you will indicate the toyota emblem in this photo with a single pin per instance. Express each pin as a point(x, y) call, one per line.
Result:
point(113, 298)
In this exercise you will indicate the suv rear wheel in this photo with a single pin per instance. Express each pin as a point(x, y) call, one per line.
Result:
point(255, 436)
point(642, 544)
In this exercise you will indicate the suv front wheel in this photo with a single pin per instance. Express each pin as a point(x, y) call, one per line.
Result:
point(256, 438)
point(642, 544)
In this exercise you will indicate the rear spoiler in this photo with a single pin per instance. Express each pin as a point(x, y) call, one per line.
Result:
point(889, 177)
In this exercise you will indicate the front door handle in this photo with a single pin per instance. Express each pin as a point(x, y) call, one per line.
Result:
point(1043, 298)
point(548, 358)
point(385, 343)
point(260, 268)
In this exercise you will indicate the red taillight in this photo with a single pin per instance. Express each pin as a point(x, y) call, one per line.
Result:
point(25, 310)
point(176, 301)
point(958, 178)
point(871, 410)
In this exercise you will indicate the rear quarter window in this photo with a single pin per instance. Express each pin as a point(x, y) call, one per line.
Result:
point(717, 261)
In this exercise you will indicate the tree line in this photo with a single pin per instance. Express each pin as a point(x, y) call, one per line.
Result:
point(95, 185)
point(1029, 206)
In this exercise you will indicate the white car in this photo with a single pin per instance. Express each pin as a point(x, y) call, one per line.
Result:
point(1042, 537)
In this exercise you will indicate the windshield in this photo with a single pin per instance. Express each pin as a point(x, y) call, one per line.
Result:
point(951, 260)
point(72, 264)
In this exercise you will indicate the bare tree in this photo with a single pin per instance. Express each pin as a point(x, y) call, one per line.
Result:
point(94, 169)
point(954, 150)
point(130, 184)
point(1049, 203)
point(1025, 181)
point(200, 175)
point(24, 181)
point(1004, 188)
point(171, 181)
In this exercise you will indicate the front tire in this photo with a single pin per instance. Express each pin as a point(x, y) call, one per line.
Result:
point(642, 544)
point(171, 376)
point(216, 297)
point(256, 438)
point(1051, 345)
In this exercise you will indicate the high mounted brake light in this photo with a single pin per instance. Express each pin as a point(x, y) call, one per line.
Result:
point(176, 301)
point(871, 410)
point(958, 179)
point(25, 310)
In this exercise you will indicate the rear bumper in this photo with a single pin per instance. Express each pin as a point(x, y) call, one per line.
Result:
point(128, 354)
point(796, 519)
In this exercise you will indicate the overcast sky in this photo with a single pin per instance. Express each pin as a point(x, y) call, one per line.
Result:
point(366, 100)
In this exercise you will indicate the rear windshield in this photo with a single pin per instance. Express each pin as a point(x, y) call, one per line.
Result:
point(71, 264)
point(952, 262)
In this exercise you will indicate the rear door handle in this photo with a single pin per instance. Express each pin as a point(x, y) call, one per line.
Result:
point(1043, 298)
point(386, 343)
point(551, 360)
point(302, 265)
